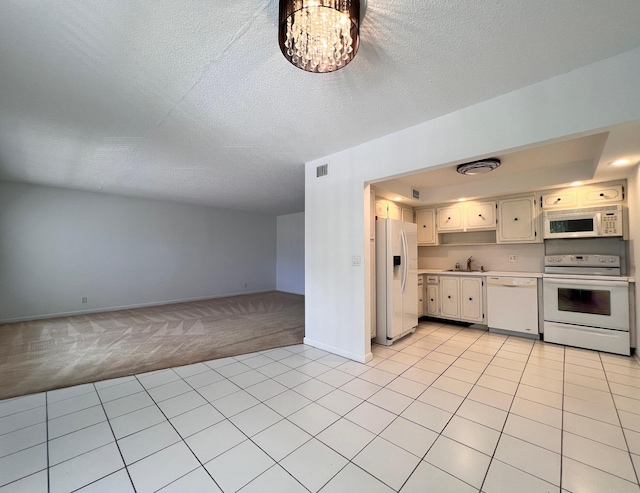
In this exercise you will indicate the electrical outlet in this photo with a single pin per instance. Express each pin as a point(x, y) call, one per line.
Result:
point(84, 299)
point(513, 258)
point(245, 284)
point(355, 261)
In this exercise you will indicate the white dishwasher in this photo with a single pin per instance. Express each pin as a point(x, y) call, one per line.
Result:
point(512, 304)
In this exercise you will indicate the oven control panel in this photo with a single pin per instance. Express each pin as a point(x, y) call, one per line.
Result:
point(582, 260)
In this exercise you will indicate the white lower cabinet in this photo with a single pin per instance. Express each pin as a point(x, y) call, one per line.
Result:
point(420, 296)
point(449, 299)
point(471, 299)
point(432, 304)
point(456, 298)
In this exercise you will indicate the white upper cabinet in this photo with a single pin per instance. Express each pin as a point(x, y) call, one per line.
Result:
point(407, 215)
point(587, 196)
point(381, 209)
point(394, 211)
point(561, 199)
point(590, 196)
point(450, 218)
point(517, 221)
point(426, 221)
point(481, 215)
point(467, 217)
point(388, 209)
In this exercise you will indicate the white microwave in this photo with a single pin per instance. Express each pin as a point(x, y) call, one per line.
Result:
point(583, 223)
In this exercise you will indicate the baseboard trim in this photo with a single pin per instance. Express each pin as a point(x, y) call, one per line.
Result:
point(126, 307)
point(340, 352)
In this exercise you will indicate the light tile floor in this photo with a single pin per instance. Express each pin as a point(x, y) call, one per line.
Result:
point(448, 409)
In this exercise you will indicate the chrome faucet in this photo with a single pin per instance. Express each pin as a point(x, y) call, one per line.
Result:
point(469, 260)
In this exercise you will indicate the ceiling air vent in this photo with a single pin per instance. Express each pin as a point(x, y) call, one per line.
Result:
point(415, 193)
point(322, 170)
point(478, 167)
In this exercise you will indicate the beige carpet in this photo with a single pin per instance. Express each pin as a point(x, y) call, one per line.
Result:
point(47, 354)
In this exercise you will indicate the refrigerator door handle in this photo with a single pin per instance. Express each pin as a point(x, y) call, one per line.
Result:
point(405, 253)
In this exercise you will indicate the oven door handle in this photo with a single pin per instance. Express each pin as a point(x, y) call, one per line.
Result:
point(582, 282)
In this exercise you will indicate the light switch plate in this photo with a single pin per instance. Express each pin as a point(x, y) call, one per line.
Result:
point(355, 261)
point(513, 258)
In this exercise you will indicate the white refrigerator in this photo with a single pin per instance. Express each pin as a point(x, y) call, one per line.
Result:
point(396, 280)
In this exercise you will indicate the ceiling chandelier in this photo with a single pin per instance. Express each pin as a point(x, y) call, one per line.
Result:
point(319, 35)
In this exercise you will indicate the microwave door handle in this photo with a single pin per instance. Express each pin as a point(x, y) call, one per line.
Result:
point(596, 224)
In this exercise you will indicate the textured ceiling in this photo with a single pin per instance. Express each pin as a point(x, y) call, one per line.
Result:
point(193, 101)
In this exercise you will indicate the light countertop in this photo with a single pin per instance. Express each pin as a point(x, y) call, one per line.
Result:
point(478, 273)
point(539, 275)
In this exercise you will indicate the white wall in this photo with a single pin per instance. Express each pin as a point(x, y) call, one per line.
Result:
point(57, 246)
point(580, 102)
point(290, 253)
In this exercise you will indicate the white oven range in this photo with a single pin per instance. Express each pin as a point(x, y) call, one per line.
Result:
point(586, 303)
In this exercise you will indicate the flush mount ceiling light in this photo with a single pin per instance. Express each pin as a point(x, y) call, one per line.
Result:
point(621, 162)
point(478, 167)
point(319, 35)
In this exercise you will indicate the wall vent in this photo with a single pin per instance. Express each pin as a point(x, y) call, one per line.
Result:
point(322, 170)
point(415, 193)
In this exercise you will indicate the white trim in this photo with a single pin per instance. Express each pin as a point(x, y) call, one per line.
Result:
point(128, 307)
point(340, 352)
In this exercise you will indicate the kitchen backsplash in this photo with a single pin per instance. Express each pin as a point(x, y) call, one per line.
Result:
point(530, 257)
point(492, 257)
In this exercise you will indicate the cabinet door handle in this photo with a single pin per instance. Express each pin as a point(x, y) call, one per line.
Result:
point(601, 195)
point(449, 297)
point(470, 299)
point(424, 225)
point(431, 299)
point(515, 219)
